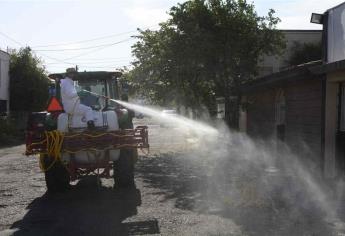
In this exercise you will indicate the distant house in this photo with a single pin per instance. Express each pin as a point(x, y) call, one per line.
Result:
point(304, 106)
point(4, 82)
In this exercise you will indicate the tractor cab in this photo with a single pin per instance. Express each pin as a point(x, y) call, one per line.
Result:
point(93, 87)
point(97, 90)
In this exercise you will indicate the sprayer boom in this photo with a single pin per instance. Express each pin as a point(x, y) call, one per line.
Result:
point(55, 141)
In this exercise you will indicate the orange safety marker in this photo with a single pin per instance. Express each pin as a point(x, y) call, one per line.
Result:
point(54, 105)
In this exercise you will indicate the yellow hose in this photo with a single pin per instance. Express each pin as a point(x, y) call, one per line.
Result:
point(54, 140)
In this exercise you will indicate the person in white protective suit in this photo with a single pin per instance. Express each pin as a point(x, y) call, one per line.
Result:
point(70, 99)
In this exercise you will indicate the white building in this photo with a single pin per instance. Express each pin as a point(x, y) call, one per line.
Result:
point(4, 82)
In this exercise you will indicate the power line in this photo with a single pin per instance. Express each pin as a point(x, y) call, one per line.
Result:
point(85, 48)
point(6, 36)
point(86, 53)
point(89, 40)
point(88, 62)
point(84, 41)
point(64, 61)
point(103, 59)
point(22, 45)
point(98, 60)
point(90, 66)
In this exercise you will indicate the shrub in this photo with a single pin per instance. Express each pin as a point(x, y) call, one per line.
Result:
point(9, 133)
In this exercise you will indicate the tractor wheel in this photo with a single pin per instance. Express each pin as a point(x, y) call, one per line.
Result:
point(56, 176)
point(124, 169)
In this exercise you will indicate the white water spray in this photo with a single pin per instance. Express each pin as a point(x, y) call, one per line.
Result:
point(243, 152)
point(197, 127)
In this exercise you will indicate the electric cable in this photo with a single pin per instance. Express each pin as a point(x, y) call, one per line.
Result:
point(22, 45)
point(90, 40)
point(84, 41)
point(85, 48)
point(63, 61)
point(86, 53)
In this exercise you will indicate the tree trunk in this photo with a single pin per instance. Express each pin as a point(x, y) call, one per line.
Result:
point(232, 107)
point(227, 116)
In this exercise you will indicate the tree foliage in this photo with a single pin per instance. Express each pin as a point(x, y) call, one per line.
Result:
point(28, 82)
point(306, 52)
point(207, 48)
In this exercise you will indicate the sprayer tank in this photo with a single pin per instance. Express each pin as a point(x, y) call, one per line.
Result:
point(107, 119)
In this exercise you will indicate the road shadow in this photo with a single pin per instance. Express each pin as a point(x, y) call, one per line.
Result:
point(85, 210)
point(211, 190)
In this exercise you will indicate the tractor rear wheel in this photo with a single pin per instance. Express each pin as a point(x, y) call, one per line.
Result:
point(56, 175)
point(124, 169)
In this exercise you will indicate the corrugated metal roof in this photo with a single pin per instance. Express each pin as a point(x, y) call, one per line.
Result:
point(330, 67)
point(306, 70)
point(289, 74)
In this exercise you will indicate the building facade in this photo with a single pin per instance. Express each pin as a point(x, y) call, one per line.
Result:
point(269, 64)
point(304, 106)
point(287, 106)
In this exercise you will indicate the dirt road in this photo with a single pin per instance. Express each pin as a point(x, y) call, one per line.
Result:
point(176, 194)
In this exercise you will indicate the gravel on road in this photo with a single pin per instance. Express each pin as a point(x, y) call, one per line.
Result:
point(177, 193)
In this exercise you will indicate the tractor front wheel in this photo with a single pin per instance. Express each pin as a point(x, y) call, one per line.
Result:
point(56, 175)
point(124, 169)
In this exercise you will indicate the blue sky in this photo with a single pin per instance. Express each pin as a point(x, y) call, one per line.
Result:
point(109, 25)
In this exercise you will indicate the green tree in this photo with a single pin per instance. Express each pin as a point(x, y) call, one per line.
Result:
point(208, 48)
point(152, 69)
point(28, 82)
point(303, 53)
